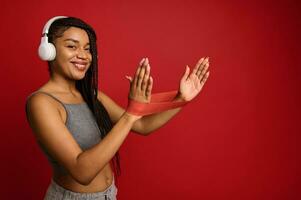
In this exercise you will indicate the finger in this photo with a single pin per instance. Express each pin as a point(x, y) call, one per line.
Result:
point(204, 79)
point(141, 62)
point(129, 78)
point(136, 76)
point(149, 87)
point(203, 65)
point(137, 72)
point(186, 74)
point(141, 73)
point(198, 64)
point(145, 78)
point(202, 72)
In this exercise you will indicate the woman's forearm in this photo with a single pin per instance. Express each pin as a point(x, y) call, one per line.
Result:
point(90, 162)
point(155, 121)
point(152, 122)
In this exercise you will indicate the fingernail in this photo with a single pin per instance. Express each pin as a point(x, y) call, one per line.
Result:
point(142, 61)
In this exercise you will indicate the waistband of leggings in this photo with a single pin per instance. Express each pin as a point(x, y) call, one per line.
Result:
point(110, 190)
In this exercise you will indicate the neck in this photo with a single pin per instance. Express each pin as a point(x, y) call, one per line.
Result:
point(62, 84)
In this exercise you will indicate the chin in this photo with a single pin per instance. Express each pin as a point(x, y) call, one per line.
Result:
point(78, 77)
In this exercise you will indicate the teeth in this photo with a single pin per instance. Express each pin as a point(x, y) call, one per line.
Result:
point(80, 66)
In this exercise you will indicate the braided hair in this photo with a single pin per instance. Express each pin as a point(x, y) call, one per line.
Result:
point(88, 86)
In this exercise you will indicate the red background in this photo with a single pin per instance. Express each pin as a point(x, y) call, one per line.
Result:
point(238, 140)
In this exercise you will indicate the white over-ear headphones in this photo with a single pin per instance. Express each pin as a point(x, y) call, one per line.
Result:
point(47, 50)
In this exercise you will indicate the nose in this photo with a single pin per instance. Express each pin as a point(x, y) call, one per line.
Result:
point(82, 53)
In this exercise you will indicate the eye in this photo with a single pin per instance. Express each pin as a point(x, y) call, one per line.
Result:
point(71, 46)
point(87, 49)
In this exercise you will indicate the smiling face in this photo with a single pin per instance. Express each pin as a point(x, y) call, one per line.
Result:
point(73, 56)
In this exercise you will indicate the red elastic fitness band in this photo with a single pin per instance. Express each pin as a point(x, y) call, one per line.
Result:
point(159, 102)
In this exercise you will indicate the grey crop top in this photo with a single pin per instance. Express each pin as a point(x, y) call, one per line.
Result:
point(81, 123)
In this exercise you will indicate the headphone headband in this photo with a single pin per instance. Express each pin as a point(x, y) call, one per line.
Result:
point(49, 22)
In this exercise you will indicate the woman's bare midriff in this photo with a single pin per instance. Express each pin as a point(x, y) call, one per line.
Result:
point(100, 183)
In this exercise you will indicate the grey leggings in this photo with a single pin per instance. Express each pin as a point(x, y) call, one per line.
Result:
point(57, 192)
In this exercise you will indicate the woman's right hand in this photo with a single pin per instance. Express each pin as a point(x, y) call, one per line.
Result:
point(141, 85)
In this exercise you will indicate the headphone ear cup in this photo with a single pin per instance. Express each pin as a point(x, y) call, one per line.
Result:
point(47, 51)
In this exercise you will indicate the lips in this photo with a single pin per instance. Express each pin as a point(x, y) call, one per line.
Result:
point(81, 66)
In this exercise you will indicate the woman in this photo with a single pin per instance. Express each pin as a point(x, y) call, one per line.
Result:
point(78, 127)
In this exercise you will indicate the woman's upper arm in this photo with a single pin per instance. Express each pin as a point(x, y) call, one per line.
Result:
point(114, 110)
point(49, 128)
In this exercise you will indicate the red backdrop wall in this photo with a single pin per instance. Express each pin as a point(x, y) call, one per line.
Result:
point(238, 140)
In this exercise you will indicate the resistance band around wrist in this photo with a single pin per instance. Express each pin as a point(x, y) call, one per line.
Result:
point(159, 102)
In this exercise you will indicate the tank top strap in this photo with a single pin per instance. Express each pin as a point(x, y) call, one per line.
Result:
point(26, 103)
point(48, 95)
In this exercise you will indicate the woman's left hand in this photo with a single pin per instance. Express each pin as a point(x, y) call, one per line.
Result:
point(192, 84)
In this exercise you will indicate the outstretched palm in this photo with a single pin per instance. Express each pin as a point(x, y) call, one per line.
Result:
point(192, 84)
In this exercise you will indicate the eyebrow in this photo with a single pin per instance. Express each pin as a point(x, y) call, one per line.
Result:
point(73, 40)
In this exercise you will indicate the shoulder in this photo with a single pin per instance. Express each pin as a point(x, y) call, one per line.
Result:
point(101, 95)
point(39, 99)
point(105, 99)
point(40, 105)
